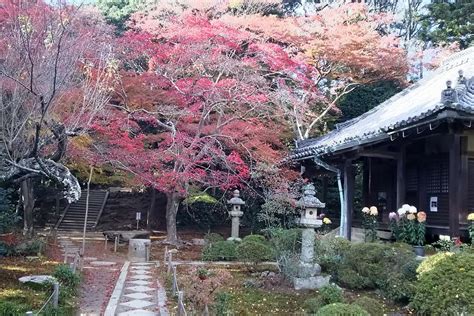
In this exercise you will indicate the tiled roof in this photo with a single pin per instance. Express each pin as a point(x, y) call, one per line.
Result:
point(417, 102)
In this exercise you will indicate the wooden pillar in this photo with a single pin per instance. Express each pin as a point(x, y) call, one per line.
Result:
point(401, 179)
point(464, 180)
point(454, 184)
point(365, 183)
point(349, 179)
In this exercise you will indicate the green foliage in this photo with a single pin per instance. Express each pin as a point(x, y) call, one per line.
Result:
point(222, 303)
point(220, 250)
point(255, 238)
point(391, 269)
point(253, 251)
point(6, 250)
point(448, 23)
point(312, 305)
point(370, 305)
point(330, 252)
point(66, 277)
point(284, 240)
point(330, 294)
point(203, 214)
point(29, 247)
point(213, 237)
point(278, 211)
point(366, 97)
point(8, 308)
point(117, 12)
point(431, 262)
point(448, 288)
point(202, 197)
point(8, 217)
point(340, 309)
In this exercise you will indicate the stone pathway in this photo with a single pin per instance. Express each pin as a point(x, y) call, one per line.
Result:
point(138, 292)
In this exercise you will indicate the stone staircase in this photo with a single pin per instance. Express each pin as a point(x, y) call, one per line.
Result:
point(74, 214)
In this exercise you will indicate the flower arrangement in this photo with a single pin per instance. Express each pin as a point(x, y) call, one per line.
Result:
point(369, 223)
point(470, 218)
point(408, 225)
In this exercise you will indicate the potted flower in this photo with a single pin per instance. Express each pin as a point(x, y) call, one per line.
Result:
point(369, 223)
point(408, 225)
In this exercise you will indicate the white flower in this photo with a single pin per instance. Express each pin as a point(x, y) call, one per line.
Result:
point(401, 211)
point(365, 210)
point(373, 211)
point(412, 210)
point(406, 207)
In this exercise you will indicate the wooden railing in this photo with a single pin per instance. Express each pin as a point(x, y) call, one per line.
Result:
point(175, 291)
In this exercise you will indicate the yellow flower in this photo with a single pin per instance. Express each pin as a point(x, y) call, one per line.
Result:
point(327, 221)
point(411, 216)
point(470, 217)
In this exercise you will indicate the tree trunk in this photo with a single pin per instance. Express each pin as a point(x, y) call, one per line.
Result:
point(151, 209)
point(28, 201)
point(172, 205)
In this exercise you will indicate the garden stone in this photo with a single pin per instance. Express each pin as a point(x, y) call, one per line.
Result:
point(315, 282)
point(198, 242)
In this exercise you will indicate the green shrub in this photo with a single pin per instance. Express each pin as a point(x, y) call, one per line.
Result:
point(6, 250)
point(370, 305)
point(331, 294)
point(430, 262)
point(253, 252)
point(340, 309)
point(330, 252)
point(255, 238)
point(66, 277)
point(8, 217)
point(220, 250)
point(213, 237)
point(312, 305)
point(448, 288)
point(351, 279)
point(8, 308)
point(29, 248)
point(397, 288)
point(222, 303)
point(285, 240)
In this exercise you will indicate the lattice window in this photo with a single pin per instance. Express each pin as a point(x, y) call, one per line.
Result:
point(437, 177)
point(412, 179)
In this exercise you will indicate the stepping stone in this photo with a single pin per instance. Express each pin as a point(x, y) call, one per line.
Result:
point(140, 272)
point(138, 312)
point(140, 277)
point(90, 259)
point(142, 264)
point(140, 288)
point(102, 263)
point(137, 304)
point(138, 296)
point(140, 268)
point(140, 282)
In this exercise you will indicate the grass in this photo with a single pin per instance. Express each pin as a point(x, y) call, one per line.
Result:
point(26, 297)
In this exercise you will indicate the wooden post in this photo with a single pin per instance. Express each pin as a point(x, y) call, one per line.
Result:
point(464, 180)
point(349, 179)
point(401, 179)
point(116, 243)
point(454, 184)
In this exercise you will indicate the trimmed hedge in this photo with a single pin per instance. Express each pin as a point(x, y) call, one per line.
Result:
point(340, 309)
point(447, 288)
point(220, 250)
point(370, 305)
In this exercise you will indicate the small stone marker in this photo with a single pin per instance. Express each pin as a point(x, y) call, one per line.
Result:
point(139, 250)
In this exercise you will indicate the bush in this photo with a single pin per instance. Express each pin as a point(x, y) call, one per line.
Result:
point(6, 250)
point(430, 262)
point(66, 277)
point(285, 241)
point(370, 305)
point(340, 309)
point(213, 237)
point(29, 248)
point(222, 303)
point(312, 305)
point(352, 279)
point(255, 238)
point(253, 252)
point(331, 294)
point(397, 287)
point(330, 252)
point(12, 309)
point(220, 250)
point(448, 288)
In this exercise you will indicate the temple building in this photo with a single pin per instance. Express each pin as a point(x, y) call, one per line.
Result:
point(416, 148)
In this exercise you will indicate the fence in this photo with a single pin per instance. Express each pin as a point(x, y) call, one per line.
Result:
point(53, 298)
point(175, 291)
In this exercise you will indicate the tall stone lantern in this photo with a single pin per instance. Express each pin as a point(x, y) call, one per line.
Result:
point(308, 272)
point(236, 202)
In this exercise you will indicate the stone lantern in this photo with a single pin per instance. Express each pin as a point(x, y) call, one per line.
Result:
point(308, 272)
point(236, 202)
